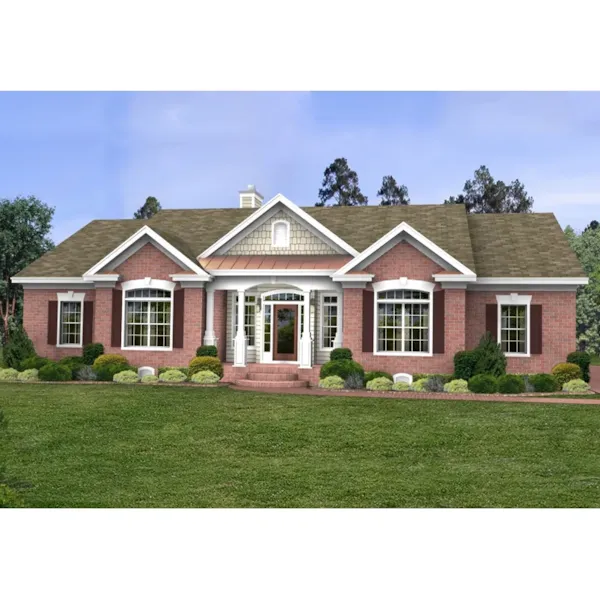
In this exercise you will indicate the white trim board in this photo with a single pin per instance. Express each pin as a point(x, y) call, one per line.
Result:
point(279, 199)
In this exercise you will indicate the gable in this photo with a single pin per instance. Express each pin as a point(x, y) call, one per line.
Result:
point(258, 241)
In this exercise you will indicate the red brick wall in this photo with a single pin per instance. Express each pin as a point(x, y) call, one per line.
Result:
point(403, 260)
point(148, 261)
point(558, 328)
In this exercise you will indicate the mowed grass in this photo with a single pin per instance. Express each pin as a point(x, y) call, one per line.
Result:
point(137, 446)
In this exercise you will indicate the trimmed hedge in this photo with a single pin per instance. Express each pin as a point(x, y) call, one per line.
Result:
point(332, 382)
point(206, 363)
point(566, 372)
point(110, 359)
point(55, 372)
point(464, 364)
point(91, 352)
point(207, 351)
point(172, 376)
point(457, 386)
point(543, 382)
point(184, 370)
point(126, 377)
point(370, 375)
point(205, 377)
point(483, 384)
point(582, 359)
point(342, 368)
point(379, 384)
point(340, 354)
point(511, 384)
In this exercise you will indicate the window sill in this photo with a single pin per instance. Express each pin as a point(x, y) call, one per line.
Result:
point(517, 355)
point(147, 348)
point(422, 354)
point(69, 345)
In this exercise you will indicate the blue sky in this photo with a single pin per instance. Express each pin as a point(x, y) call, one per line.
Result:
point(99, 155)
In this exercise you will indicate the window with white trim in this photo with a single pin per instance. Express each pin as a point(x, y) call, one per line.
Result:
point(148, 318)
point(281, 234)
point(70, 322)
point(403, 321)
point(249, 319)
point(513, 328)
point(329, 320)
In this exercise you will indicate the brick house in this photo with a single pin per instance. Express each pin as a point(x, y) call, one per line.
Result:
point(404, 287)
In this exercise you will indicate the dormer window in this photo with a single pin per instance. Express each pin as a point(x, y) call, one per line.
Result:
point(281, 234)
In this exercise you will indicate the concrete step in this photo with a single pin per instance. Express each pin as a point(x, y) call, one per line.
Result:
point(254, 383)
point(273, 376)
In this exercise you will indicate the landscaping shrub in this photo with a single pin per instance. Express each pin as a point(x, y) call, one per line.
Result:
point(172, 376)
point(206, 363)
point(582, 359)
point(354, 382)
point(370, 375)
point(457, 386)
point(543, 382)
point(342, 367)
point(10, 498)
point(107, 372)
point(435, 383)
point(205, 377)
point(126, 377)
point(17, 349)
point(55, 372)
point(490, 360)
point(110, 359)
point(85, 373)
point(340, 354)
point(418, 385)
point(28, 375)
point(184, 370)
point(2, 363)
point(91, 352)
point(332, 382)
point(511, 384)
point(464, 364)
point(400, 386)
point(207, 351)
point(149, 379)
point(566, 372)
point(8, 374)
point(576, 385)
point(379, 384)
point(483, 384)
point(73, 362)
point(34, 362)
point(444, 377)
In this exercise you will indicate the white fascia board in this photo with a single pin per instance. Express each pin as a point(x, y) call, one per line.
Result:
point(271, 272)
point(362, 277)
point(145, 230)
point(458, 278)
point(532, 280)
point(412, 232)
point(190, 277)
point(102, 277)
point(54, 280)
point(279, 199)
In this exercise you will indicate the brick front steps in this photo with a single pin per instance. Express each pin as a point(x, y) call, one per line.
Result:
point(269, 376)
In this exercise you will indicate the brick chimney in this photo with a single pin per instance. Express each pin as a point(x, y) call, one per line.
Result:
point(250, 198)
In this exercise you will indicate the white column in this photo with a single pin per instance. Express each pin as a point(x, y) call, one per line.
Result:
point(239, 359)
point(337, 340)
point(305, 339)
point(209, 334)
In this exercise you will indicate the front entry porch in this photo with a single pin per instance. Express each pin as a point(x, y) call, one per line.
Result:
point(274, 375)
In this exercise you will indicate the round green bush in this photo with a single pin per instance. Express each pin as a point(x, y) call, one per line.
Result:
point(110, 359)
point(149, 379)
point(332, 382)
point(483, 384)
point(172, 376)
point(206, 363)
point(400, 386)
point(419, 385)
point(457, 386)
point(126, 377)
point(340, 354)
point(107, 372)
point(582, 359)
point(543, 383)
point(379, 384)
point(342, 368)
point(8, 374)
point(370, 375)
point(10, 498)
point(205, 377)
point(566, 372)
point(511, 384)
point(55, 372)
point(91, 352)
point(576, 385)
point(34, 362)
point(28, 375)
point(184, 370)
point(207, 351)
point(73, 362)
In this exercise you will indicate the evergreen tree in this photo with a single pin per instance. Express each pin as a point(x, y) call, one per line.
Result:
point(391, 193)
point(340, 184)
point(149, 209)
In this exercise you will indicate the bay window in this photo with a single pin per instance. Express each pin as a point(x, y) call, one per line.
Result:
point(148, 319)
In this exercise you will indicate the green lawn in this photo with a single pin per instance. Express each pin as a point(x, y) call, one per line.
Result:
point(181, 447)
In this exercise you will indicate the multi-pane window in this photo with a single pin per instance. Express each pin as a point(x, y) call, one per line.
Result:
point(148, 318)
point(513, 329)
point(284, 297)
point(267, 327)
point(403, 321)
point(70, 323)
point(329, 320)
point(249, 318)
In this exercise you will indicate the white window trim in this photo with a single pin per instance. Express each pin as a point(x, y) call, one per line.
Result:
point(153, 284)
point(515, 300)
point(287, 232)
point(234, 320)
point(403, 284)
point(69, 297)
point(322, 295)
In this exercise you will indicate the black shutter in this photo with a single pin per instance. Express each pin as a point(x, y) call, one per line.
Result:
point(439, 321)
point(491, 319)
point(536, 328)
point(52, 322)
point(88, 322)
point(117, 311)
point(367, 324)
point(178, 318)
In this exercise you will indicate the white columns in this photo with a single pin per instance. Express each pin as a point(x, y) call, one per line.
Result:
point(337, 340)
point(305, 339)
point(209, 334)
point(239, 359)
